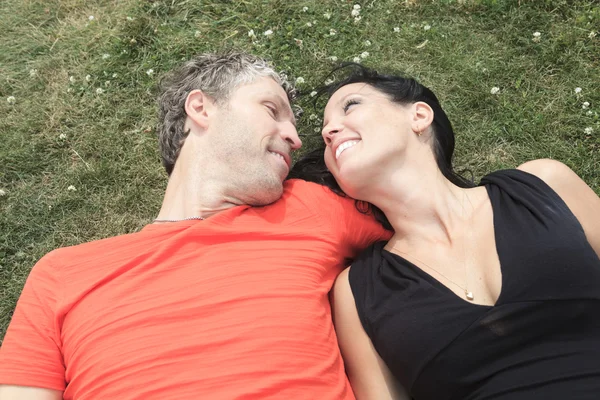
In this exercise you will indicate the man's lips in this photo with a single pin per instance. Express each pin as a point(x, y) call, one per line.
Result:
point(283, 155)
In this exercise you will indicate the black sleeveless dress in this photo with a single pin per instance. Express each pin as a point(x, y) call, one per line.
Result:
point(541, 340)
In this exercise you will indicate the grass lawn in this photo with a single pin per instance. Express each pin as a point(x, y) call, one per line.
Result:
point(77, 93)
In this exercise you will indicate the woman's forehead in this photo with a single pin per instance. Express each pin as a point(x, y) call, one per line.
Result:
point(351, 88)
point(359, 88)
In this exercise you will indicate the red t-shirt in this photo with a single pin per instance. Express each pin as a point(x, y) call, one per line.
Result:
point(232, 307)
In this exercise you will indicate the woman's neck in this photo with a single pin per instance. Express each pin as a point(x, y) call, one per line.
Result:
point(423, 206)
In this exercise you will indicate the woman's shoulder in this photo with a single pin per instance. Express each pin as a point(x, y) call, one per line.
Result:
point(583, 202)
point(541, 173)
point(554, 173)
point(370, 256)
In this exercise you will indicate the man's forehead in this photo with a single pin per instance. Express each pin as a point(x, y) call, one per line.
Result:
point(266, 87)
point(262, 85)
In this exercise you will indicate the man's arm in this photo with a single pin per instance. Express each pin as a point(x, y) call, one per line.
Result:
point(9, 392)
point(31, 358)
point(369, 376)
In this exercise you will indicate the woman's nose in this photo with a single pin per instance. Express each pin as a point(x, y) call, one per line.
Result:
point(329, 131)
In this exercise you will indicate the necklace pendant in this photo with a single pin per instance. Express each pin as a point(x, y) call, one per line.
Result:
point(469, 295)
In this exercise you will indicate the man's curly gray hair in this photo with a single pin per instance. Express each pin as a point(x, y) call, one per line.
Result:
point(217, 75)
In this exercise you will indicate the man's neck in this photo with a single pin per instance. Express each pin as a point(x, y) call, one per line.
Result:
point(190, 197)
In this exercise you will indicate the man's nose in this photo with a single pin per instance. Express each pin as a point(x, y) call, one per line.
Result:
point(290, 135)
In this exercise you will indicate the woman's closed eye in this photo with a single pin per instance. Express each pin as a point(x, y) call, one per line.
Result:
point(349, 103)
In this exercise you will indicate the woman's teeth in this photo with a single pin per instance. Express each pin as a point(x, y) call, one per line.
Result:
point(344, 146)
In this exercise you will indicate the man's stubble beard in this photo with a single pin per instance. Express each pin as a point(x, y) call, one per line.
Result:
point(254, 181)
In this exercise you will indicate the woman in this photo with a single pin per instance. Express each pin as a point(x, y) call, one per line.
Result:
point(483, 292)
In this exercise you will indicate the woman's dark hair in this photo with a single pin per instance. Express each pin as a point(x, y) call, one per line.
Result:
point(401, 90)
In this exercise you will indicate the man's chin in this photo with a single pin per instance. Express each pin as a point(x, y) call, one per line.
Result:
point(267, 195)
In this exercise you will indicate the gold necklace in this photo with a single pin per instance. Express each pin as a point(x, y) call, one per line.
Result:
point(468, 294)
point(178, 220)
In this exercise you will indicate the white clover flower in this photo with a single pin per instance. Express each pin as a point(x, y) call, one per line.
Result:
point(397, 29)
point(72, 188)
point(62, 136)
point(592, 35)
point(299, 80)
point(33, 72)
point(333, 58)
point(427, 27)
point(115, 75)
point(577, 90)
point(313, 93)
point(197, 34)
point(356, 7)
point(268, 32)
point(585, 105)
point(309, 24)
point(2, 192)
point(251, 33)
point(355, 13)
point(11, 100)
point(99, 91)
point(105, 56)
point(317, 129)
point(304, 9)
point(589, 112)
point(356, 59)
point(150, 72)
point(367, 43)
point(495, 90)
point(388, 11)
point(328, 82)
point(312, 117)
point(91, 18)
point(537, 34)
point(589, 130)
point(332, 32)
point(537, 37)
point(327, 15)
point(364, 54)
point(87, 78)
point(106, 83)
point(357, 19)
point(129, 18)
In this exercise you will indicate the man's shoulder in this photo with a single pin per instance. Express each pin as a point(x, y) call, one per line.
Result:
point(92, 250)
point(302, 188)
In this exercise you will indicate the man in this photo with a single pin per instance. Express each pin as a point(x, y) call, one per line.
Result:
point(225, 295)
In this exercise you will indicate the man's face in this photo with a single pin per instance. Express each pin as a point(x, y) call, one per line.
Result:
point(254, 134)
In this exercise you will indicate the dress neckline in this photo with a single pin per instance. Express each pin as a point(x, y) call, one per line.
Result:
point(435, 282)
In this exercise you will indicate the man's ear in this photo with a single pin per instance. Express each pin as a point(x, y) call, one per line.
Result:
point(199, 108)
point(422, 117)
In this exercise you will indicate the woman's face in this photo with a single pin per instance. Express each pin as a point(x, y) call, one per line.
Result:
point(365, 133)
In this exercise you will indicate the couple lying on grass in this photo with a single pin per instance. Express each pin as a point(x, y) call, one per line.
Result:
point(454, 290)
